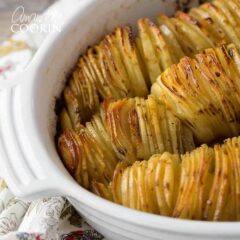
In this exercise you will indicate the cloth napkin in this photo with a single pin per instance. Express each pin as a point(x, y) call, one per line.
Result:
point(47, 218)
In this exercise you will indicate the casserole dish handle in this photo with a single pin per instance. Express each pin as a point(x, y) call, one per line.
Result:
point(20, 166)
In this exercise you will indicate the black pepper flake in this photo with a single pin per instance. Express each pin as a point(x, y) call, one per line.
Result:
point(217, 74)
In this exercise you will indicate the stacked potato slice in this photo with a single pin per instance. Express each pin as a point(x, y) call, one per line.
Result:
point(205, 92)
point(155, 45)
point(108, 126)
point(130, 130)
point(208, 25)
point(220, 17)
point(88, 153)
point(111, 69)
point(140, 128)
point(149, 186)
point(197, 172)
point(120, 66)
point(209, 187)
point(85, 159)
point(203, 184)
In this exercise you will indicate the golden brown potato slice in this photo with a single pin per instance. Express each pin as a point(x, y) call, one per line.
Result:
point(197, 29)
point(146, 137)
point(132, 61)
point(229, 14)
point(133, 191)
point(117, 181)
point(113, 68)
point(85, 158)
point(102, 190)
point(223, 22)
point(195, 178)
point(219, 192)
point(140, 128)
point(167, 132)
point(156, 113)
point(158, 47)
point(190, 37)
point(183, 206)
point(141, 186)
point(65, 120)
point(174, 47)
point(119, 129)
point(229, 58)
point(148, 186)
point(73, 108)
point(120, 64)
point(166, 182)
point(135, 133)
point(174, 127)
point(234, 8)
point(125, 187)
point(204, 93)
point(148, 50)
point(97, 129)
point(202, 185)
point(85, 92)
point(215, 32)
point(182, 39)
point(233, 150)
point(93, 58)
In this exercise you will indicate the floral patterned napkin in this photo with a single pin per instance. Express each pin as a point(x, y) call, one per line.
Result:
point(44, 219)
point(47, 218)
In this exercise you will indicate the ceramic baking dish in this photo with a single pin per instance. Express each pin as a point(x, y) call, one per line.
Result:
point(28, 157)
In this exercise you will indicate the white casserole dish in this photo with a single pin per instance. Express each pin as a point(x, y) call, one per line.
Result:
point(32, 167)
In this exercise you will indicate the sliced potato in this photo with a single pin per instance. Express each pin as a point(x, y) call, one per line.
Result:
point(215, 32)
point(148, 186)
point(204, 93)
point(174, 47)
point(202, 184)
point(98, 131)
point(219, 192)
point(117, 180)
point(102, 190)
point(133, 191)
point(222, 20)
point(85, 158)
point(83, 87)
point(196, 30)
point(72, 107)
point(149, 53)
point(191, 39)
point(193, 189)
point(65, 120)
point(119, 129)
point(131, 60)
point(233, 150)
point(140, 128)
